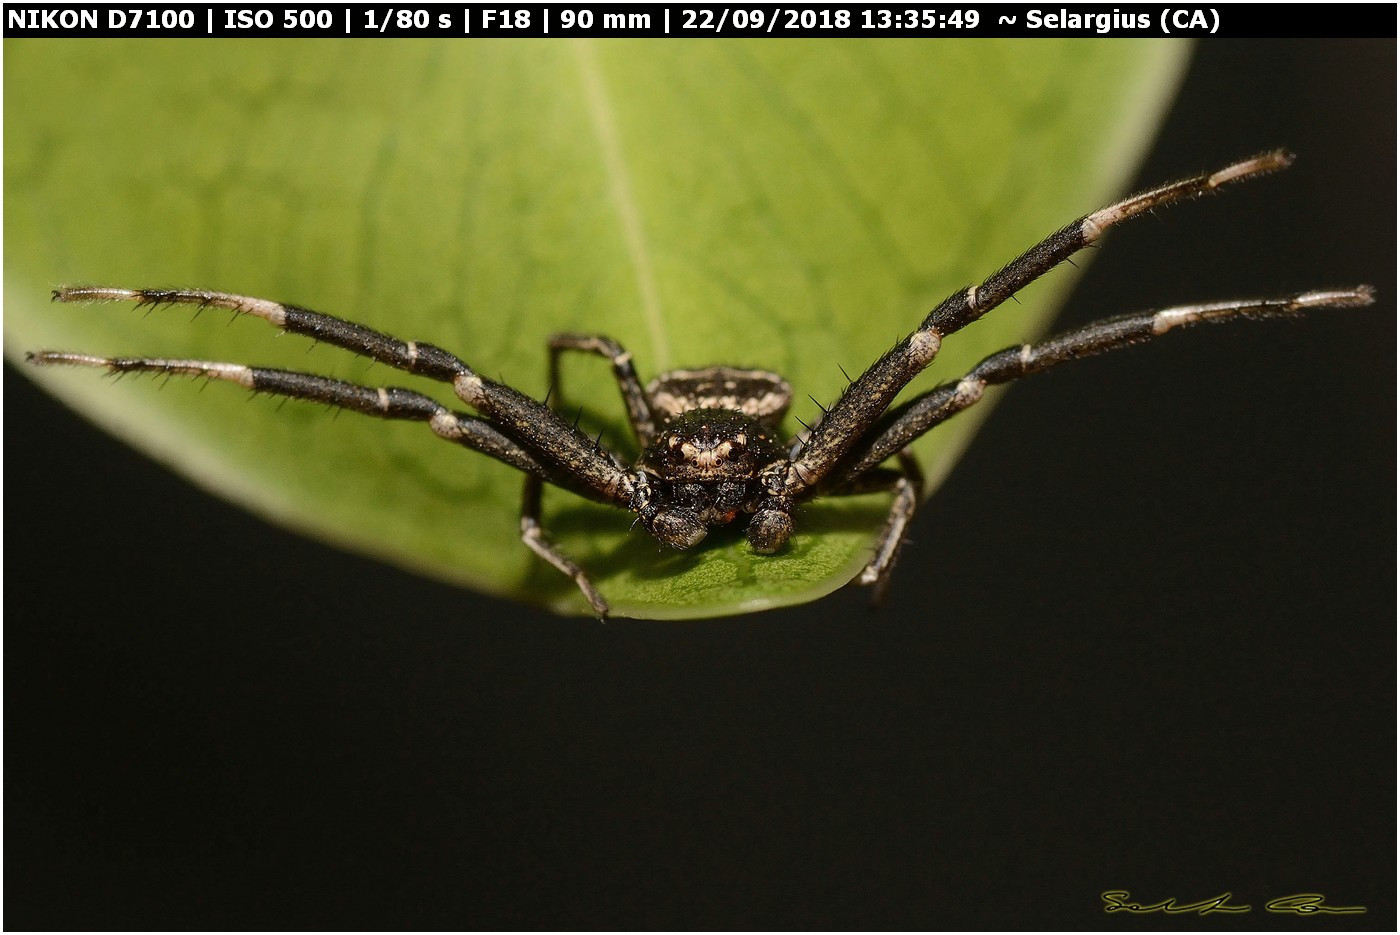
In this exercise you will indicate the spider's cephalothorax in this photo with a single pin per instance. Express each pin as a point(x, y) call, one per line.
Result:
point(712, 450)
point(719, 430)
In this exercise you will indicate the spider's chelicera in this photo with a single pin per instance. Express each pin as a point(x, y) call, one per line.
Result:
point(711, 447)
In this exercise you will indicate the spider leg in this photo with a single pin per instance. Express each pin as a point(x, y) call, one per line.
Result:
point(911, 420)
point(633, 396)
point(643, 428)
point(382, 402)
point(564, 450)
point(408, 356)
point(866, 399)
point(908, 486)
point(532, 534)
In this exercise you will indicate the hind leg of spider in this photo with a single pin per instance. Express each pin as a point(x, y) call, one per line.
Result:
point(532, 534)
point(383, 402)
point(633, 396)
point(908, 488)
point(907, 422)
point(643, 427)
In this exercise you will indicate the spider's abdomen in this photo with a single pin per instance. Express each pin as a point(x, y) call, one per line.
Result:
point(759, 394)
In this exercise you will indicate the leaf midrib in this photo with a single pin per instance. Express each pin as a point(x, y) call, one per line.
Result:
point(623, 200)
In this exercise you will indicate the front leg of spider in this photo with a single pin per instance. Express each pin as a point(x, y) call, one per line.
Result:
point(857, 433)
point(516, 430)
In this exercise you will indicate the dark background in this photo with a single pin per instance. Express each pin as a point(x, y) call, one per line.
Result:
point(1143, 640)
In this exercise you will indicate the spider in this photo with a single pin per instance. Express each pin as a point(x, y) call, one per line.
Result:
point(710, 438)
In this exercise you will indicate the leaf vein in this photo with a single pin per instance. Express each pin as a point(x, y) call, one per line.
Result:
point(623, 198)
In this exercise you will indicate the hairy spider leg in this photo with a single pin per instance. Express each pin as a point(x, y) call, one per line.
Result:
point(865, 400)
point(908, 487)
point(382, 402)
point(633, 396)
point(562, 449)
point(905, 423)
point(643, 429)
point(532, 534)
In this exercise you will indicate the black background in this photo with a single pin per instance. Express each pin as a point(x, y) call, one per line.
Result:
point(1143, 639)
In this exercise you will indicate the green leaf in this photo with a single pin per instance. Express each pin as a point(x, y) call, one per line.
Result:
point(790, 205)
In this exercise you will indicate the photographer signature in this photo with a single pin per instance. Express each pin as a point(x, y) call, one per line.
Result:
point(1298, 904)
